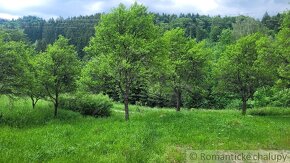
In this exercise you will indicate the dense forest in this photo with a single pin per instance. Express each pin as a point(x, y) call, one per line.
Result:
point(149, 59)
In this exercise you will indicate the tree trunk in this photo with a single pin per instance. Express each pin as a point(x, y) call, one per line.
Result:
point(55, 109)
point(33, 105)
point(244, 106)
point(178, 99)
point(126, 103)
point(33, 102)
point(56, 105)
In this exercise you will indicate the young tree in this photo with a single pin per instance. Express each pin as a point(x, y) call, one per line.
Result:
point(183, 63)
point(32, 87)
point(196, 75)
point(13, 63)
point(57, 69)
point(274, 54)
point(122, 45)
point(174, 60)
point(282, 44)
point(238, 69)
point(17, 74)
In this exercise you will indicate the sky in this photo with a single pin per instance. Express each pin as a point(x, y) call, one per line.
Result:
point(13, 9)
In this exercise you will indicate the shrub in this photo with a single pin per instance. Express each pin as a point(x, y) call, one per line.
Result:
point(88, 104)
point(267, 96)
point(281, 98)
point(262, 97)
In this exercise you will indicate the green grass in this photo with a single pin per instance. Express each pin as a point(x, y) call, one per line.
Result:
point(151, 135)
point(270, 111)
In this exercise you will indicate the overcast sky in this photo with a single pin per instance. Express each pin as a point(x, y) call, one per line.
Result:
point(66, 8)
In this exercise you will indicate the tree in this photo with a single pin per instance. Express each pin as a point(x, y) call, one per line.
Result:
point(174, 61)
point(58, 68)
point(13, 63)
point(197, 72)
point(272, 23)
point(32, 27)
point(32, 87)
point(183, 64)
point(238, 69)
point(274, 54)
point(7, 35)
point(122, 45)
point(245, 26)
point(17, 71)
point(282, 44)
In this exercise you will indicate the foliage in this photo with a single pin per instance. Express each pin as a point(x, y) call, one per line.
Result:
point(122, 46)
point(7, 35)
point(245, 26)
point(175, 61)
point(271, 96)
point(282, 50)
point(88, 104)
point(239, 71)
point(58, 68)
point(137, 57)
point(13, 62)
point(272, 23)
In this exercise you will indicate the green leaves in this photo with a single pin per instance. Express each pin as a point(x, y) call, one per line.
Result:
point(59, 64)
point(121, 49)
point(240, 70)
point(58, 69)
point(14, 66)
point(282, 45)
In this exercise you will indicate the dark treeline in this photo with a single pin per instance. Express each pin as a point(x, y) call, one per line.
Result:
point(164, 60)
point(80, 29)
point(43, 32)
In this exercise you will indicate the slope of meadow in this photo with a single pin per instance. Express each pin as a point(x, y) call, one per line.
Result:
point(151, 135)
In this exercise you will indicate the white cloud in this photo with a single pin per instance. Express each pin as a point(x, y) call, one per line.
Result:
point(94, 7)
point(67, 8)
point(16, 5)
point(8, 16)
point(200, 5)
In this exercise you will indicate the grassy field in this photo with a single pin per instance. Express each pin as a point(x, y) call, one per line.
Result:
point(151, 135)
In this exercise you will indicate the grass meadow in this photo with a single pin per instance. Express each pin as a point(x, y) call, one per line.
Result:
point(151, 135)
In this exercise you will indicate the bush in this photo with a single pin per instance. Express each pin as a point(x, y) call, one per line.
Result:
point(281, 98)
point(88, 104)
point(267, 96)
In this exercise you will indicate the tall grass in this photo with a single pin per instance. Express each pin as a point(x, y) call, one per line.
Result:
point(19, 113)
point(156, 135)
point(270, 111)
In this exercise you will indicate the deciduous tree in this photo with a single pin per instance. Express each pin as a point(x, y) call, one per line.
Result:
point(122, 45)
point(239, 71)
point(58, 68)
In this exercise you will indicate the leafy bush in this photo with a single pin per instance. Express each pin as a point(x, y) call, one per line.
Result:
point(234, 104)
point(270, 111)
point(88, 104)
point(267, 96)
point(262, 97)
point(281, 98)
